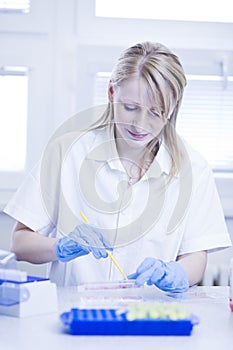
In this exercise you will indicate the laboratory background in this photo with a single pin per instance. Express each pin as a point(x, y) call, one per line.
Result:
point(55, 61)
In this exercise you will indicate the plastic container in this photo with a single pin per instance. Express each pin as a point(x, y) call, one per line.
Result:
point(11, 294)
point(110, 295)
point(110, 322)
point(107, 286)
point(35, 296)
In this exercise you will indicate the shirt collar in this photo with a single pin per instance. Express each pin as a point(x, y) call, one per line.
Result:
point(162, 162)
point(104, 150)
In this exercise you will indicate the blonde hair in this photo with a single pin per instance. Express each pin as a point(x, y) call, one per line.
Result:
point(165, 76)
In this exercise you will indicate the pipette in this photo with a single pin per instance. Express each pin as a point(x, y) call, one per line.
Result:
point(107, 251)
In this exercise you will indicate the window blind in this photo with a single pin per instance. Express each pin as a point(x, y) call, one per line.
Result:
point(205, 119)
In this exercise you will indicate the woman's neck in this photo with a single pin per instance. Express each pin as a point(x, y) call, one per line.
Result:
point(125, 151)
point(136, 161)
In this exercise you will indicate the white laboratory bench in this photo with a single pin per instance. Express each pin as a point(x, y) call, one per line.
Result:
point(209, 304)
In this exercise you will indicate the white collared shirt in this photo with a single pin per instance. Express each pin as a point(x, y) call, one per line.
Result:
point(152, 218)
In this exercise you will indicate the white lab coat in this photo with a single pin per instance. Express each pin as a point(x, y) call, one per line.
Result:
point(152, 218)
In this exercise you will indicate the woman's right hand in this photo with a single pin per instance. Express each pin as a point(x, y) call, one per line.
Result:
point(81, 241)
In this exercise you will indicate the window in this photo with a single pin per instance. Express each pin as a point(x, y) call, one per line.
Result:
point(198, 10)
point(21, 6)
point(13, 112)
point(25, 89)
point(205, 118)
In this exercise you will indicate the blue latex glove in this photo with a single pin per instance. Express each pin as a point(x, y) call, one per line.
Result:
point(83, 240)
point(170, 277)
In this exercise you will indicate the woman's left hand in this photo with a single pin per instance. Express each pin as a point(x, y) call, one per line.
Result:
point(169, 277)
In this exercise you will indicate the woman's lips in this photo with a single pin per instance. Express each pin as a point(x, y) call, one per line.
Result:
point(137, 135)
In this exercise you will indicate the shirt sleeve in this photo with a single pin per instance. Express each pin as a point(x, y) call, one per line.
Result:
point(205, 227)
point(39, 202)
point(26, 205)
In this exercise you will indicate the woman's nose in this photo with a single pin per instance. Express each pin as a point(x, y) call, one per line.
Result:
point(140, 118)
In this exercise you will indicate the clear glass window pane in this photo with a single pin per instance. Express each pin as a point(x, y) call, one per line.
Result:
point(198, 10)
point(13, 121)
point(22, 6)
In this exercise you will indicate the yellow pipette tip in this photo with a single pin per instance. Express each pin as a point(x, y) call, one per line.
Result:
point(107, 251)
point(116, 264)
point(84, 217)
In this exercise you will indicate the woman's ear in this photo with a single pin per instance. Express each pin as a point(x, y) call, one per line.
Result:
point(110, 91)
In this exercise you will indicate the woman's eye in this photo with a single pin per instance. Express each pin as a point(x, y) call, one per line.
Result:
point(155, 114)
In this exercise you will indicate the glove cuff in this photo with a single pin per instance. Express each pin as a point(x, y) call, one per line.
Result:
point(182, 278)
point(174, 278)
point(67, 249)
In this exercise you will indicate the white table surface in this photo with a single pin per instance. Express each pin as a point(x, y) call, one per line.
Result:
point(209, 304)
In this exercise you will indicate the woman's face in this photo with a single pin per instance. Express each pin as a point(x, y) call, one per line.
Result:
point(138, 119)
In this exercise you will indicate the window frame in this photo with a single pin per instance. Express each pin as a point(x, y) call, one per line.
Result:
point(22, 38)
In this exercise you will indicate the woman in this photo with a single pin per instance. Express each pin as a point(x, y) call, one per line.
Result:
point(149, 197)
